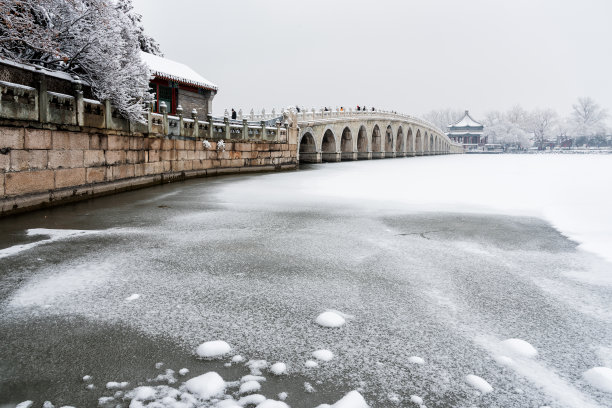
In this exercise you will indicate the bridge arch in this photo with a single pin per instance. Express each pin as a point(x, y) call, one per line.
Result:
point(400, 142)
point(409, 143)
point(308, 148)
point(419, 143)
point(346, 144)
point(362, 143)
point(329, 149)
point(389, 141)
point(376, 143)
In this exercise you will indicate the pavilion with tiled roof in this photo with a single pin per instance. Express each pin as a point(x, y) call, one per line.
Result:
point(468, 132)
point(177, 84)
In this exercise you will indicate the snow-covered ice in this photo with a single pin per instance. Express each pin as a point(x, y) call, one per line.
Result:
point(133, 296)
point(213, 349)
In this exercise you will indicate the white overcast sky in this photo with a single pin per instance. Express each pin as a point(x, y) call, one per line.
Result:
point(408, 56)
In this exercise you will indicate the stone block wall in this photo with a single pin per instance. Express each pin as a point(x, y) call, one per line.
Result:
point(41, 167)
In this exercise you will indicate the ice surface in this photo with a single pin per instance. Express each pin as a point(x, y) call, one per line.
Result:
point(419, 281)
point(206, 386)
point(479, 383)
point(599, 377)
point(519, 347)
point(278, 368)
point(323, 355)
point(330, 319)
point(53, 234)
point(213, 349)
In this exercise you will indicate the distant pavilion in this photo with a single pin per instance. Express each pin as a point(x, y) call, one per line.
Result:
point(467, 132)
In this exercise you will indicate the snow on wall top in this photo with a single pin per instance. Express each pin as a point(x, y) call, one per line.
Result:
point(466, 121)
point(175, 71)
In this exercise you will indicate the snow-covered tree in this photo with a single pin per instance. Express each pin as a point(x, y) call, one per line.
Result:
point(443, 117)
point(504, 128)
point(541, 123)
point(98, 40)
point(588, 118)
point(146, 42)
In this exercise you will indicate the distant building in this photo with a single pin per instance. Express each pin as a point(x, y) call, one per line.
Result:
point(467, 132)
point(177, 84)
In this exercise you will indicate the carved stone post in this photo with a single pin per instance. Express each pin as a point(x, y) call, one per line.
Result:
point(228, 134)
point(211, 129)
point(245, 129)
point(196, 127)
point(263, 130)
point(164, 110)
point(108, 114)
point(78, 102)
point(43, 99)
point(179, 112)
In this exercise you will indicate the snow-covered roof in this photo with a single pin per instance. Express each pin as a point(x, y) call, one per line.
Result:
point(175, 71)
point(466, 121)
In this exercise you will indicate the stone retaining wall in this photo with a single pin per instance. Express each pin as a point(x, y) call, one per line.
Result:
point(42, 167)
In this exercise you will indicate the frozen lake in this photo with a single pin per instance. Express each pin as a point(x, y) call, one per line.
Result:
point(433, 262)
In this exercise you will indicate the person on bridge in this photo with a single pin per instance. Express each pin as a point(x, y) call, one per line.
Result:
point(373, 109)
point(364, 108)
point(233, 114)
point(358, 108)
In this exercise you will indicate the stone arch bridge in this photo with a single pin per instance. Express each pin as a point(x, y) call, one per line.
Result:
point(331, 136)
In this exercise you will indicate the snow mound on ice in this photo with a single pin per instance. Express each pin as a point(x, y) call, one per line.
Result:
point(133, 296)
point(183, 371)
point(278, 368)
point(504, 360)
point(323, 355)
point(416, 360)
point(25, 404)
point(206, 385)
point(251, 377)
point(113, 385)
point(272, 404)
point(228, 403)
point(143, 393)
point(248, 387)
point(479, 383)
point(237, 359)
point(212, 349)
point(416, 399)
point(282, 396)
point(330, 319)
point(252, 399)
point(600, 378)
point(311, 364)
point(519, 347)
point(351, 400)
